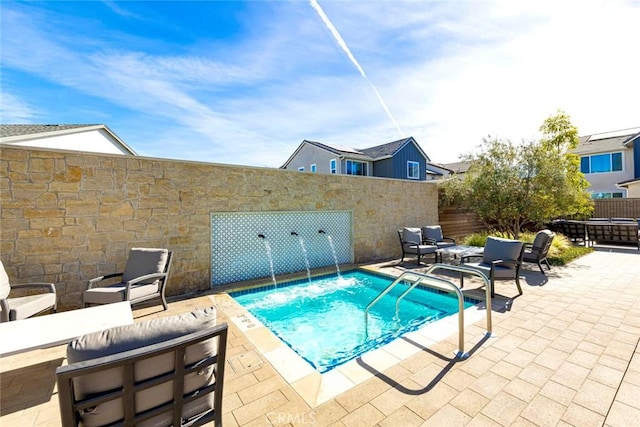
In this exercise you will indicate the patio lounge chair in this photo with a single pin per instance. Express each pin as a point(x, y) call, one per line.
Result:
point(144, 278)
point(537, 251)
point(433, 236)
point(166, 371)
point(24, 306)
point(501, 260)
point(411, 244)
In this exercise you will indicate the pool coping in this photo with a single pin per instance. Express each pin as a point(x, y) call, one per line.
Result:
point(317, 388)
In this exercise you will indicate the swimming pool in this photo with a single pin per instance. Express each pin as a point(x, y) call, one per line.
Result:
point(323, 320)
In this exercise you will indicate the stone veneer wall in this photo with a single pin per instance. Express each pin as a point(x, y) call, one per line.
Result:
point(68, 216)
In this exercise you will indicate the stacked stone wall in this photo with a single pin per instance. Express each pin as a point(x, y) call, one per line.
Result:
point(68, 216)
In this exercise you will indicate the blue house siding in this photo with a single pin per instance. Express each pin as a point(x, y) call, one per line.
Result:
point(383, 168)
point(384, 161)
point(408, 153)
point(636, 158)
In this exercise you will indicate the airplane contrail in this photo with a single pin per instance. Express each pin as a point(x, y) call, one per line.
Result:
point(345, 48)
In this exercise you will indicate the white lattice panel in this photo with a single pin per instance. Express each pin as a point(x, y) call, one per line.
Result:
point(237, 253)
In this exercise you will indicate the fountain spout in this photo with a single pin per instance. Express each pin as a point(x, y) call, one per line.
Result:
point(261, 236)
point(293, 233)
point(322, 232)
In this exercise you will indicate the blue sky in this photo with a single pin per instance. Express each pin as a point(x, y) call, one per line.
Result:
point(244, 82)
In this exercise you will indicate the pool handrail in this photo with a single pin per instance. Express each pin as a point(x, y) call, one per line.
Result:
point(406, 276)
point(487, 285)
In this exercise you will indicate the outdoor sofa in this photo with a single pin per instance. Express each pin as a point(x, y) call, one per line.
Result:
point(166, 371)
point(600, 230)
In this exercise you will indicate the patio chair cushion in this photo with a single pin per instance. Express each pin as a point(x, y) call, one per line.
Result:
point(130, 337)
point(541, 238)
point(5, 286)
point(143, 261)
point(433, 232)
point(499, 271)
point(412, 242)
point(115, 293)
point(30, 305)
point(412, 235)
point(497, 248)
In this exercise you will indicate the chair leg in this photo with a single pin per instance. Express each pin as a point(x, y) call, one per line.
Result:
point(164, 302)
point(493, 288)
point(540, 267)
point(518, 284)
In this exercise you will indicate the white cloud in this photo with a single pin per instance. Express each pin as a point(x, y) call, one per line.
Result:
point(449, 72)
point(15, 110)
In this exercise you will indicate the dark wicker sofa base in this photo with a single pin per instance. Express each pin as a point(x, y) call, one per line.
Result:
point(602, 231)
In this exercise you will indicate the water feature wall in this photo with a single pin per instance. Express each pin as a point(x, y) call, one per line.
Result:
point(68, 216)
point(251, 245)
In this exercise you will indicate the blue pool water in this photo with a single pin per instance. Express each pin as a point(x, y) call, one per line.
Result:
point(323, 320)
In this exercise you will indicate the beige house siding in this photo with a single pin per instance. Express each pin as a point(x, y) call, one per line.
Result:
point(605, 182)
point(67, 216)
point(633, 190)
point(310, 154)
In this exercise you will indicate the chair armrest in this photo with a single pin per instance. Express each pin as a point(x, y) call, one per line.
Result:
point(146, 277)
point(465, 258)
point(451, 239)
point(4, 314)
point(428, 241)
point(93, 282)
point(411, 244)
point(500, 262)
point(50, 287)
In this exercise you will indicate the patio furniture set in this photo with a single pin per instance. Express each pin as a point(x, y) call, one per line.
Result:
point(166, 371)
point(500, 259)
point(600, 230)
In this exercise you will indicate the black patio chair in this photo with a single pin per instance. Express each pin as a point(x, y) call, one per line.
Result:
point(537, 251)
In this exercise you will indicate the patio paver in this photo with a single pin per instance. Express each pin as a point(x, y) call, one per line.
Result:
point(564, 353)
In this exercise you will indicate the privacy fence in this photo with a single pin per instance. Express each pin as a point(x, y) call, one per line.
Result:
point(617, 208)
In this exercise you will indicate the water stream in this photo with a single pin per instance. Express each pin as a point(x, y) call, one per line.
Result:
point(267, 247)
point(306, 257)
point(333, 251)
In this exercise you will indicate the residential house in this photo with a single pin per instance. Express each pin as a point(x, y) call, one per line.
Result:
point(611, 163)
point(90, 138)
point(460, 167)
point(401, 159)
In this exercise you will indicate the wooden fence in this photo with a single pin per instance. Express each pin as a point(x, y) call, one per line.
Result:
point(457, 223)
point(617, 208)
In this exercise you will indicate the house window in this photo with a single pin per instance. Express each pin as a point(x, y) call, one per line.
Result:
point(313, 168)
point(332, 166)
point(614, 195)
point(301, 169)
point(413, 170)
point(356, 168)
point(598, 163)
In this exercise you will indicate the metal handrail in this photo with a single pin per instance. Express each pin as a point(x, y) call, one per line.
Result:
point(425, 276)
point(474, 272)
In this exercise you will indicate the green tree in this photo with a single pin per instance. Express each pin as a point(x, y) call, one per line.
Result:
point(510, 185)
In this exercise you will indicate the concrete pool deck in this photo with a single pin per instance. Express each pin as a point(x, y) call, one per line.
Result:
point(564, 353)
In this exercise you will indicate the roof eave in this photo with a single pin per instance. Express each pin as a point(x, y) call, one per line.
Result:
point(39, 135)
